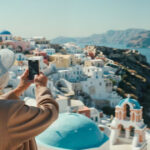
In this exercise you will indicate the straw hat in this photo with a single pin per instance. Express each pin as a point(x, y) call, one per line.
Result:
point(7, 58)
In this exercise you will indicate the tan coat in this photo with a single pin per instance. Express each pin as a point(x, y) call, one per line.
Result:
point(19, 123)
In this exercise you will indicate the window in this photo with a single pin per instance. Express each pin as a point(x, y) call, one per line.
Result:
point(33, 92)
point(96, 119)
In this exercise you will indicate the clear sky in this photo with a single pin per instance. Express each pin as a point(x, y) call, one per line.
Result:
point(76, 18)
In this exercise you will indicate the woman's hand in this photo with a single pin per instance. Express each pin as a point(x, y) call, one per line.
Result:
point(40, 80)
point(24, 83)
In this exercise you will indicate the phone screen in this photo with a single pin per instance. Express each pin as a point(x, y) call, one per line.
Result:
point(33, 68)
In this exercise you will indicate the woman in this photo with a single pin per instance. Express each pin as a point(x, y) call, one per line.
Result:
point(19, 123)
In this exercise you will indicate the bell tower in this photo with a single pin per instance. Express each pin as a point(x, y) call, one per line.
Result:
point(128, 125)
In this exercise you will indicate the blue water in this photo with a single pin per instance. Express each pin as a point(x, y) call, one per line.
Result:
point(145, 52)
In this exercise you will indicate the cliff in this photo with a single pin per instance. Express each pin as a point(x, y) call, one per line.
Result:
point(140, 40)
point(135, 72)
point(129, 37)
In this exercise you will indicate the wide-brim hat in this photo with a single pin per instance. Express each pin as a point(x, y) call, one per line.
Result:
point(7, 59)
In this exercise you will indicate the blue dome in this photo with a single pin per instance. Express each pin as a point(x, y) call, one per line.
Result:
point(72, 131)
point(5, 32)
point(135, 103)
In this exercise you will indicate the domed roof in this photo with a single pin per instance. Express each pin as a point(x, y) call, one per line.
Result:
point(5, 32)
point(72, 131)
point(134, 103)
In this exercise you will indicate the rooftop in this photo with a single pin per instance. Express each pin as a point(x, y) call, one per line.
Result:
point(68, 132)
point(5, 32)
point(134, 103)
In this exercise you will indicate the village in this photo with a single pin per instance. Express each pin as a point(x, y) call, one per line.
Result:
point(83, 84)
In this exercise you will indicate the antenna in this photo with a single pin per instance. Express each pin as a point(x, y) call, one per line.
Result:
point(7, 59)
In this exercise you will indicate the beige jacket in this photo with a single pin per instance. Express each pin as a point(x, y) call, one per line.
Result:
point(19, 123)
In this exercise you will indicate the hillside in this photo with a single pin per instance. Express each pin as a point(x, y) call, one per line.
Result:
point(140, 40)
point(124, 37)
point(135, 72)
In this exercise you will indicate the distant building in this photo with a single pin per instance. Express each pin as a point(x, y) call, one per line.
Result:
point(63, 61)
point(96, 86)
point(20, 58)
point(73, 74)
point(40, 42)
point(94, 62)
point(7, 41)
point(81, 58)
point(50, 51)
point(5, 35)
point(72, 48)
point(18, 46)
point(90, 50)
point(128, 125)
point(91, 80)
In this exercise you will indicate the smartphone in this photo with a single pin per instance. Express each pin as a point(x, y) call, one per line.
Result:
point(33, 68)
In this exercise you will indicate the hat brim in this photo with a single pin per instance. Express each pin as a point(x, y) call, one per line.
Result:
point(7, 59)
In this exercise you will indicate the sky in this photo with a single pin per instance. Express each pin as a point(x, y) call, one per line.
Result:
point(72, 18)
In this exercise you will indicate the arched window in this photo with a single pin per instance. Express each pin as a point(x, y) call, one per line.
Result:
point(122, 131)
point(1, 39)
point(132, 129)
point(96, 119)
point(128, 110)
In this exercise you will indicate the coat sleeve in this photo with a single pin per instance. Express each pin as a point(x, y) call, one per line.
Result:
point(9, 95)
point(26, 122)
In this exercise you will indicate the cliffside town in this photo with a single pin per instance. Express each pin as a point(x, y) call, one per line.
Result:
point(135, 73)
point(102, 89)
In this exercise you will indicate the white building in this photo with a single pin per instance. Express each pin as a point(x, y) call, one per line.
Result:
point(81, 58)
point(97, 87)
point(94, 62)
point(72, 74)
point(91, 81)
point(40, 42)
point(5, 35)
point(72, 48)
point(50, 51)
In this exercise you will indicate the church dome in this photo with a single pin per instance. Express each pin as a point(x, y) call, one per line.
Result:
point(5, 32)
point(135, 103)
point(72, 131)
